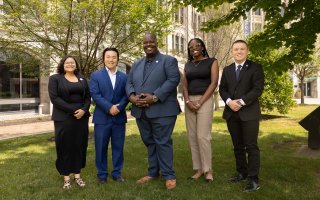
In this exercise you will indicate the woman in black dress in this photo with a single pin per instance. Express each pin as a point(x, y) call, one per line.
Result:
point(69, 94)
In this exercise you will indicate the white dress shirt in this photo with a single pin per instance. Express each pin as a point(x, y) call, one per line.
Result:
point(113, 76)
point(235, 68)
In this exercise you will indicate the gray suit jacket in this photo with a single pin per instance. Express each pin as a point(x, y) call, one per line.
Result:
point(162, 80)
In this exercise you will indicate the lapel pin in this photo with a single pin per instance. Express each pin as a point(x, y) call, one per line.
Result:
point(81, 79)
point(157, 61)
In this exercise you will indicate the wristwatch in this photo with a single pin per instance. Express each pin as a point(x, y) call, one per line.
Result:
point(155, 98)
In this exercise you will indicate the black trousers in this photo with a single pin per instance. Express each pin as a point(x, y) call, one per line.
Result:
point(244, 136)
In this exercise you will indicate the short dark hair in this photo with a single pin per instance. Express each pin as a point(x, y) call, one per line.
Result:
point(204, 51)
point(240, 41)
point(152, 35)
point(110, 49)
point(60, 68)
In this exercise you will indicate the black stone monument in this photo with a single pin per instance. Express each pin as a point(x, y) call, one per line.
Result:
point(312, 124)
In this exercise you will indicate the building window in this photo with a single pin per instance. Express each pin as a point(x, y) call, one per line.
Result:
point(194, 21)
point(257, 27)
point(182, 41)
point(181, 15)
point(18, 82)
point(176, 43)
point(199, 22)
point(172, 42)
point(176, 16)
point(257, 12)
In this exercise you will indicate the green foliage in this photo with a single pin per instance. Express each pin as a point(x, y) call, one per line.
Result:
point(129, 106)
point(54, 28)
point(294, 26)
point(278, 93)
point(91, 109)
point(278, 89)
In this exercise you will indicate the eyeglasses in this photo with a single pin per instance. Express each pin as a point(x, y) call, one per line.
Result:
point(198, 45)
point(69, 63)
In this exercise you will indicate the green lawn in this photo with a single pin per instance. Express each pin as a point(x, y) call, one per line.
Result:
point(27, 169)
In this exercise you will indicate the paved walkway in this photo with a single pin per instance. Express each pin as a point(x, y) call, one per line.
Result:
point(12, 131)
point(46, 126)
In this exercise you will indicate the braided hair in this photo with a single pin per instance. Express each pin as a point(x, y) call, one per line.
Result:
point(204, 50)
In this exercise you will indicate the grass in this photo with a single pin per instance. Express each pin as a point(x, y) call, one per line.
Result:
point(27, 167)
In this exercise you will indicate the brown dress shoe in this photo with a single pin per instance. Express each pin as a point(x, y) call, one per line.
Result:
point(170, 184)
point(145, 179)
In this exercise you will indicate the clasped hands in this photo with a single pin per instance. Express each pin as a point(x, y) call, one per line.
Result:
point(114, 110)
point(194, 105)
point(235, 105)
point(78, 113)
point(142, 100)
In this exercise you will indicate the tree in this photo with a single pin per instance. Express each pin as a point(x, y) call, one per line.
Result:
point(219, 42)
point(277, 94)
point(293, 25)
point(278, 89)
point(305, 70)
point(54, 28)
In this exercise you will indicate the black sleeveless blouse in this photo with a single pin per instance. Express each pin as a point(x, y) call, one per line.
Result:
point(198, 75)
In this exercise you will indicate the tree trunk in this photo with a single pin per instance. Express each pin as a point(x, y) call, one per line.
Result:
point(302, 92)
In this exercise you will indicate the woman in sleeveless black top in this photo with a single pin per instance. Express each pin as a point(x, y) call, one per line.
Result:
point(201, 74)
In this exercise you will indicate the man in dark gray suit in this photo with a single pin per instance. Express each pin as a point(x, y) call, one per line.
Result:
point(152, 90)
point(241, 85)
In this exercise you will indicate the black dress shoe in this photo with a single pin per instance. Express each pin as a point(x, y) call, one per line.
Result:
point(252, 186)
point(102, 181)
point(119, 179)
point(237, 178)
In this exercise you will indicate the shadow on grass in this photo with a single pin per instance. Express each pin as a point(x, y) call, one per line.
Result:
point(28, 165)
point(269, 117)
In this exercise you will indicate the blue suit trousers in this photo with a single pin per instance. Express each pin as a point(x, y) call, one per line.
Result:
point(103, 133)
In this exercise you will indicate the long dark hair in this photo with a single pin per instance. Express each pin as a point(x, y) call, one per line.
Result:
point(60, 68)
point(204, 51)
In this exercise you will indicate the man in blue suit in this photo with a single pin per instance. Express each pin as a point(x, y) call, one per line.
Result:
point(152, 89)
point(107, 88)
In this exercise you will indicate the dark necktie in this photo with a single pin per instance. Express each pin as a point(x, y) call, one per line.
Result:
point(238, 72)
point(146, 67)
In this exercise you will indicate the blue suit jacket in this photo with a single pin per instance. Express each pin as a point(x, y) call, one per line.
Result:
point(105, 96)
point(162, 80)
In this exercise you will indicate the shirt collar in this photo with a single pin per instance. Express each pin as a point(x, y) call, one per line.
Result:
point(110, 71)
point(242, 64)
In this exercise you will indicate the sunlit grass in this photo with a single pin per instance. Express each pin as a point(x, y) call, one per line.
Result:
point(27, 167)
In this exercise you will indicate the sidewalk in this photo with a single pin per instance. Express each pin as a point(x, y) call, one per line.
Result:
point(24, 128)
point(13, 131)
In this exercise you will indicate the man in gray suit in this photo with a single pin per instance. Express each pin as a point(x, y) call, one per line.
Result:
point(152, 90)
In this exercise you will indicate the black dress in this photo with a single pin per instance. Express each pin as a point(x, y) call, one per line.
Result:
point(71, 135)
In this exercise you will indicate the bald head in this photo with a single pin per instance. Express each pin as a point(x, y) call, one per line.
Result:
point(150, 45)
point(151, 35)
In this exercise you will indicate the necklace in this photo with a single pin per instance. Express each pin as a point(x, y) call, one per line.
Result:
point(196, 64)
